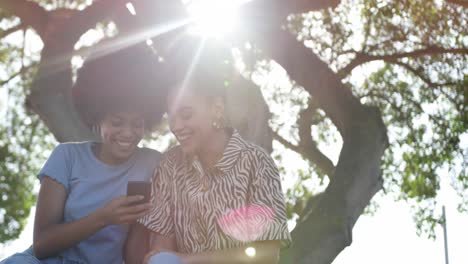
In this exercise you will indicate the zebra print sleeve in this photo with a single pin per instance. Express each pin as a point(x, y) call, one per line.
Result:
point(160, 219)
point(267, 196)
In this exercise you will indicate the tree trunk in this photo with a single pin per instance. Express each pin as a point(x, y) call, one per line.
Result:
point(325, 230)
point(248, 113)
point(50, 96)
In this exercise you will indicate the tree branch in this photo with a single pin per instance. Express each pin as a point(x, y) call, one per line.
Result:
point(311, 151)
point(23, 70)
point(459, 2)
point(93, 14)
point(30, 13)
point(327, 229)
point(263, 13)
point(362, 58)
point(313, 155)
point(419, 74)
point(285, 142)
point(425, 79)
point(12, 30)
point(302, 6)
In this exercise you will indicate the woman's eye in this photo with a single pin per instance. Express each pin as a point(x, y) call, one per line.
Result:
point(116, 123)
point(138, 124)
point(186, 115)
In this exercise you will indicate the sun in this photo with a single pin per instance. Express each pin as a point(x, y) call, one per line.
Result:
point(213, 18)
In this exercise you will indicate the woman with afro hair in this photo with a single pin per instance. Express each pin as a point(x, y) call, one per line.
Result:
point(83, 214)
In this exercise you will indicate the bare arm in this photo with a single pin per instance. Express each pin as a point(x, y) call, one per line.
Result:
point(160, 243)
point(266, 252)
point(137, 244)
point(51, 235)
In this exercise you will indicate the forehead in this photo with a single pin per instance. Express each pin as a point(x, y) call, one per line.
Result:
point(130, 114)
point(184, 98)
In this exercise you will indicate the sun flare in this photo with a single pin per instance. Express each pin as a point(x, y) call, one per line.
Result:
point(213, 17)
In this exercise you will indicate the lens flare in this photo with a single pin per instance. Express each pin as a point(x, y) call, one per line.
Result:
point(247, 223)
point(250, 252)
point(213, 17)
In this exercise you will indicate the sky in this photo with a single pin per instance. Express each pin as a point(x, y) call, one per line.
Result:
point(388, 236)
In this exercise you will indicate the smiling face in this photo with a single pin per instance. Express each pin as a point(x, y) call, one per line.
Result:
point(120, 134)
point(191, 119)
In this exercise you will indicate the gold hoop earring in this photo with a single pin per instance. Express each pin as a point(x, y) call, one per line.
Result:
point(218, 124)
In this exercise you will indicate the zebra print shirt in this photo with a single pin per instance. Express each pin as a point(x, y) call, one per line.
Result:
point(237, 201)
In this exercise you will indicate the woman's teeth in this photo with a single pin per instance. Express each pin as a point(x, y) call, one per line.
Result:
point(124, 144)
point(183, 137)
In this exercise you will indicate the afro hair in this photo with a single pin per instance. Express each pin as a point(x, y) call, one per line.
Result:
point(124, 80)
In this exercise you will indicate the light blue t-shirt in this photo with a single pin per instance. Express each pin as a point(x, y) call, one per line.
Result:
point(91, 184)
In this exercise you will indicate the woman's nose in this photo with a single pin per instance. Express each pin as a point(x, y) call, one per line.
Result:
point(175, 125)
point(128, 131)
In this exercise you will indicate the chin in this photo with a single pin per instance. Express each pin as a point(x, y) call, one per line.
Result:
point(124, 155)
point(187, 149)
point(121, 158)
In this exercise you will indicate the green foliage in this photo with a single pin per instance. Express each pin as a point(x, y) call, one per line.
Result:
point(24, 140)
point(55, 4)
point(425, 134)
point(423, 99)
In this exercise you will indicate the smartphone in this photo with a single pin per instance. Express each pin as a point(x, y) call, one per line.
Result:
point(139, 188)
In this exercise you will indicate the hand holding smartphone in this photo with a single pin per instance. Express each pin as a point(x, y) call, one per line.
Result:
point(142, 188)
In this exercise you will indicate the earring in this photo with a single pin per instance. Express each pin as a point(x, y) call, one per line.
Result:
point(217, 124)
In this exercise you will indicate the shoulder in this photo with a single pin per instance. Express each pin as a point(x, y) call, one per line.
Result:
point(147, 158)
point(171, 159)
point(73, 145)
point(246, 147)
point(254, 151)
point(259, 159)
point(149, 154)
point(72, 148)
point(174, 155)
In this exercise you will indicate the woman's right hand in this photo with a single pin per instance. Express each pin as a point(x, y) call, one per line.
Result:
point(154, 252)
point(52, 235)
point(123, 210)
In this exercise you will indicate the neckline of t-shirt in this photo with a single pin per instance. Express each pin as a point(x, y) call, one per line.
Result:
point(101, 163)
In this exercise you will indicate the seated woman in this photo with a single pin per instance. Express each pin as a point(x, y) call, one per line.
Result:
point(216, 197)
point(83, 213)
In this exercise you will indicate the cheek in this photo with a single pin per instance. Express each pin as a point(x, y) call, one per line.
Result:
point(140, 132)
point(204, 118)
point(105, 133)
point(203, 124)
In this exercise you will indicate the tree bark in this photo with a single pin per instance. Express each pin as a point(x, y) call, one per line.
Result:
point(30, 13)
point(362, 58)
point(462, 3)
point(50, 96)
point(326, 229)
point(248, 113)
